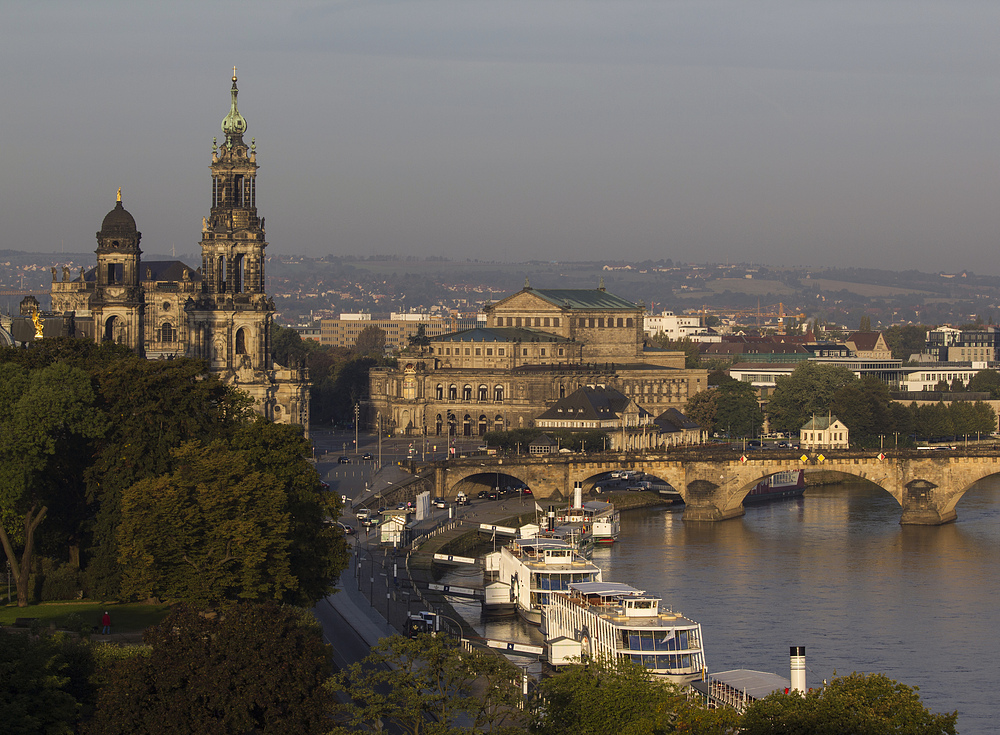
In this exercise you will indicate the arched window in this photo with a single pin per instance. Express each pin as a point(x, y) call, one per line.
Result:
point(166, 332)
point(498, 394)
point(467, 425)
point(483, 393)
point(484, 425)
point(452, 392)
point(239, 268)
point(498, 423)
point(241, 341)
point(220, 274)
point(113, 329)
point(562, 391)
point(452, 424)
point(438, 423)
point(467, 393)
point(440, 394)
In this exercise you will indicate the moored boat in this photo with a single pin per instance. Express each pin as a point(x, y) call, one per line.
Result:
point(786, 484)
point(534, 568)
point(612, 620)
point(600, 519)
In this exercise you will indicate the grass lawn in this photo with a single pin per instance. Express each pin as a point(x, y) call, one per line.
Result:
point(125, 618)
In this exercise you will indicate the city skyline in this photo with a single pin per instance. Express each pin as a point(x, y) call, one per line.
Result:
point(783, 133)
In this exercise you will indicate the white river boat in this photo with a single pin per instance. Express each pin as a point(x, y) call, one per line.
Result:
point(612, 620)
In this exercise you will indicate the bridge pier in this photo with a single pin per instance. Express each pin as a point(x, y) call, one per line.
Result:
point(927, 517)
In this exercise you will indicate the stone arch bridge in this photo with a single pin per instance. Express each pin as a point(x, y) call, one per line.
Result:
point(926, 484)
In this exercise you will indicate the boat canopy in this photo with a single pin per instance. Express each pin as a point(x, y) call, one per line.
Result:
point(606, 589)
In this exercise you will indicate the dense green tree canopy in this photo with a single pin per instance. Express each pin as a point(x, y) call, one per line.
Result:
point(246, 668)
point(429, 684)
point(986, 381)
point(230, 523)
point(858, 704)
point(370, 341)
point(621, 697)
point(47, 419)
point(44, 683)
point(808, 391)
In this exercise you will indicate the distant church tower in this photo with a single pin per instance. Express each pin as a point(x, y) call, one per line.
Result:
point(117, 301)
point(231, 319)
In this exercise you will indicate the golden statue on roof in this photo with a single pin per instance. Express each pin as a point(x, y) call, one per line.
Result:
point(36, 319)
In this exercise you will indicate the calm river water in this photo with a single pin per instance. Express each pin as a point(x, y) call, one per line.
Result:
point(835, 572)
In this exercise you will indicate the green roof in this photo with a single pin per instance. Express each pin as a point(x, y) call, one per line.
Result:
point(583, 298)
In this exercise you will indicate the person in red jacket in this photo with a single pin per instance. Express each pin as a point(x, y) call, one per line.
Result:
point(106, 623)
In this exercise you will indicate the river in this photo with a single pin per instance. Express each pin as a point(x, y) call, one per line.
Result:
point(835, 572)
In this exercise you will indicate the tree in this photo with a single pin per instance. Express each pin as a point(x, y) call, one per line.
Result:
point(737, 410)
point(906, 340)
point(244, 668)
point(986, 381)
point(152, 407)
point(46, 416)
point(863, 406)
point(318, 552)
point(808, 391)
point(412, 682)
point(45, 683)
point(701, 409)
point(859, 704)
point(865, 324)
point(214, 529)
point(370, 341)
point(620, 696)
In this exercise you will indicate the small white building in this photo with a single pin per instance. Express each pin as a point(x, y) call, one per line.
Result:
point(824, 432)
point(673, 325)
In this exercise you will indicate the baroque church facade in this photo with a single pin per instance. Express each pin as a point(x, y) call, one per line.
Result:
point(538, 347)
point(219, 312)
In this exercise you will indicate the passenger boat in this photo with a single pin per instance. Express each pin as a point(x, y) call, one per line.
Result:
point(599, 518)
point(534, 568)
point(611, 620)
point(787, 484)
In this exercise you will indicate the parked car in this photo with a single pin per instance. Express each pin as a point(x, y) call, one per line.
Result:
point(343, 460)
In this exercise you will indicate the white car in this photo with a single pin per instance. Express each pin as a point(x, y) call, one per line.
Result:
point(440, 503)
point(364, 514)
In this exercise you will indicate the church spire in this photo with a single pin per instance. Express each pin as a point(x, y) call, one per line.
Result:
point(234, 124)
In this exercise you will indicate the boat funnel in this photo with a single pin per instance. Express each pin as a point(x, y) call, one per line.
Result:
point(577, 494)
point(798, 662)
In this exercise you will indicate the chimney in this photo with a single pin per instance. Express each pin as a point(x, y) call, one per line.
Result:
point(577, 494)
point(798, 662)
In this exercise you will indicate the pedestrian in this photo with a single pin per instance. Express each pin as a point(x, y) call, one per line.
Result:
point(106, 623)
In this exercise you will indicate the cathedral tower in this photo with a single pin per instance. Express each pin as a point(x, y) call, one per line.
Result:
point(117, 302)
point(231, 318)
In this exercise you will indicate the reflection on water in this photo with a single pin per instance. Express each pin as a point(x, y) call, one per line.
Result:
point(833, 571)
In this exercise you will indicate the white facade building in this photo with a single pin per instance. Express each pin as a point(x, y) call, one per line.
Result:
point(672, 325)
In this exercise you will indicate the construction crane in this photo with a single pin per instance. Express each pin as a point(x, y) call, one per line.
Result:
point(776, 311)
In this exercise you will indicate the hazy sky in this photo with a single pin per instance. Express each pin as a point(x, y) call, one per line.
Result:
point(804, 133)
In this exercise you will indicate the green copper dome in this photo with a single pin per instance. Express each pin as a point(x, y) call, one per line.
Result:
point(234, 124)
